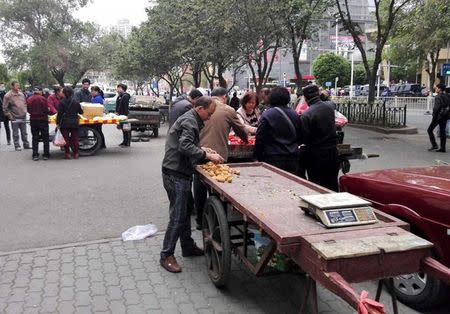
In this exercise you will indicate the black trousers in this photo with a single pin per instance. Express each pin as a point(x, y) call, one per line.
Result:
point(39, 129)
point(322, 166)
point(442, 125)
point(289, 164)
point(126, 138)
point(200, 196)
point(7, 129)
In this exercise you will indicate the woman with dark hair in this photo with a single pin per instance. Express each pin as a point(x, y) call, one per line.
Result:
point(278, 133)
point(248, 113)
point(96, 93)
point(68, 121)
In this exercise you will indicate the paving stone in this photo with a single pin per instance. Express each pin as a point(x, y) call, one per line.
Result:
point(7, 277)
point(97, 288)
point(135, 309)
point(14, 308)
point(111, 279)
point(49, 304)
point(127, 283)
point(168, 306)
point(107, 257)
point(82, 298)
point(81, 260)
point(131, 297)
point(100, 303)
point(5, 290)
point(96, 275)
point(83, 310)
point(66, 307)
point(109, 267)
point(66, 294)
point(124, 271)
point(17, 295)
point(80, 250)
point(81, 272)
point(36, 285)
point(82, 284)
point(11, 266)
point(54, 265)
point(33, 299)
point(144, 287)
point(39, 261)
point(93, 254)
point(52, 276)
point(54, 255)
point(31, 310)
point(121, 260)
point(114, 293)
point(117, 307)
point(67, 258)
point(150, 302)
point(67, 281)
point(95, 264)
point(104, 247)
point(51, 289)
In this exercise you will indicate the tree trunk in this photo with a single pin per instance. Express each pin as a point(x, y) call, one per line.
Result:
point(197, 74)
point(222, 81)
point(58, 75)
point(373, 76)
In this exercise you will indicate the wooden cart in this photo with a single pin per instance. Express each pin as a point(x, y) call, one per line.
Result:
point(267, 198)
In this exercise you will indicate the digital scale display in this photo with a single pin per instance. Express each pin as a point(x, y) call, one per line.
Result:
point(340, 215)
point(347, 216)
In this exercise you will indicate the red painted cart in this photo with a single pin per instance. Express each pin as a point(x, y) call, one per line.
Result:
point(267, 198)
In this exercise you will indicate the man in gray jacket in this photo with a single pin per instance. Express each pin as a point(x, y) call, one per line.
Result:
point(182, 153)
point(15, 109)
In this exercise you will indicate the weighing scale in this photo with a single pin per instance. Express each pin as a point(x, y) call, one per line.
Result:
point(338, 209)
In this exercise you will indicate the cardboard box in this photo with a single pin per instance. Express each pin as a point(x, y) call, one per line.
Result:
point(92, 110)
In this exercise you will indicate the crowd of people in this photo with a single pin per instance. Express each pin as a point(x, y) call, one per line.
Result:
point(199, 129)
point(15, 104)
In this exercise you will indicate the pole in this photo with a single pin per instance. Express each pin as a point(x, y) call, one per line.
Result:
point(351, 77)
point(448, 76)
point(337, 31)
point(378, 81)
point(388, 80)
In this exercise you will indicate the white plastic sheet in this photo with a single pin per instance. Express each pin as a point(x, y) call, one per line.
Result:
point(139, 232)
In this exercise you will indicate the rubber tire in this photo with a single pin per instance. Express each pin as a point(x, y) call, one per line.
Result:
point(94, 149)
point(213, 203)
point(155, 132)
point(433, 294)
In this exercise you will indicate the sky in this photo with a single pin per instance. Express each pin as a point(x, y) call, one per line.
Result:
point(109, 12)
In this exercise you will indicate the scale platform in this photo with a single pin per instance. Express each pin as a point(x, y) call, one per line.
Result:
point(339, 209)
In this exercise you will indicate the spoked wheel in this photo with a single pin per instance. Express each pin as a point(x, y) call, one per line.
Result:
point(216, 242)
point(90, 141)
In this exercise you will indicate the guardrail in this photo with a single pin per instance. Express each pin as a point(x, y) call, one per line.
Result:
point(378, 114)
point(413, 104)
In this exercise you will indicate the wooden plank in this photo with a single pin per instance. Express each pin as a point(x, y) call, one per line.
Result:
point(270, 197)
point(370, 245)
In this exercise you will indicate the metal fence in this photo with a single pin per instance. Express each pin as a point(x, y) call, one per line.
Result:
point(413, 104)
point(378, 114)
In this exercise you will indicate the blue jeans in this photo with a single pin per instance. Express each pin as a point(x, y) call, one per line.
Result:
point(178, 190)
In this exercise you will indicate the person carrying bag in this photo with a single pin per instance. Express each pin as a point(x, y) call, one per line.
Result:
point(68, 122)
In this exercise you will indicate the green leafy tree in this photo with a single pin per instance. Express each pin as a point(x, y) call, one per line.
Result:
point(300, 22)
point(419, 38)
point(387, 14)
point(328, 66)
point(4, 77)
point(359, 75)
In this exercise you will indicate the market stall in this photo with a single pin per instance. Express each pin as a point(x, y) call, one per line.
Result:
point(253, 200)
point(239, 151)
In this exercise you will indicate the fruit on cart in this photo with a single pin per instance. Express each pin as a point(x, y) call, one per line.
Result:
point(221, 173)
point(234, 140)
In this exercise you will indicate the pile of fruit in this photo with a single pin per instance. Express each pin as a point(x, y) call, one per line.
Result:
point(220, 173)
point(234, 140)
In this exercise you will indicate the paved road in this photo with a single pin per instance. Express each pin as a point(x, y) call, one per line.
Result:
point(55, 202)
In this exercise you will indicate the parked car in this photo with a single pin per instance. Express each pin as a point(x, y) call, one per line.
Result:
point(365, 90)
point(410, 90)
point(421, 197)
point(110, 103)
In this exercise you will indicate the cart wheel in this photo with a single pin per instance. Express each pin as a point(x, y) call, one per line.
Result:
point(155, 132)
point(90, 141)
point(216, 242)
point(345, 165)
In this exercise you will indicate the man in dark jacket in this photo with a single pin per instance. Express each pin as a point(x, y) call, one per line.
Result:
point(318, 133)
point(123, 108)
point(38, 109)
point(182, 105)
point(278, 133)
point(440, 117)
point(84, 94)
point(234, 102)
point(182, 153)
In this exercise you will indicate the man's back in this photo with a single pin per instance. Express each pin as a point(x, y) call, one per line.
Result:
point(37, 107)
point(179, 107)
point(215, 133)
point(318, 126)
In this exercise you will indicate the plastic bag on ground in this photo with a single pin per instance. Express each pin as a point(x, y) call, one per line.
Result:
point(139, 232)
point(59, 139)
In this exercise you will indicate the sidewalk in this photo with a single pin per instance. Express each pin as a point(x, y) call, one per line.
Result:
point(118, 277)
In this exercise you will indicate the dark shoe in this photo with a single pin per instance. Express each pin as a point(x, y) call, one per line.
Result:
point(199, 227)
point(441, 150)
point(9, 142)
point(432, 148)
point(45, 157)
point(67, 156)
point(18, 149)
point(27, 147)
point(35, 158)
point(121, 144)
point(76, 156)
point(194, 251)
point(170, 264)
